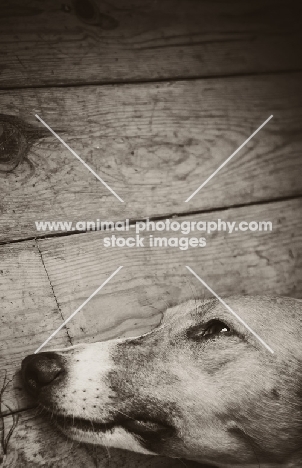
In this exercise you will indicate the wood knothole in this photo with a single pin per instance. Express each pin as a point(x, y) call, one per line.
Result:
point(16, 138)
point(88, 12)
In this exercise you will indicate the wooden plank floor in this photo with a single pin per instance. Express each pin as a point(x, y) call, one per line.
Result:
point(86, 41)
point(154, 96)
point(160, 139)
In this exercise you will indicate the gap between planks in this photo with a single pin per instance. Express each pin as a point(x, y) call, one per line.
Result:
point(153, 80)
point(151, 218)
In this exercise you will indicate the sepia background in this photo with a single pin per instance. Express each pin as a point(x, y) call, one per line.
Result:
point(154, 96)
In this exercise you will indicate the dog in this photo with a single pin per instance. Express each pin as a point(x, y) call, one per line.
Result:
point(200, 386)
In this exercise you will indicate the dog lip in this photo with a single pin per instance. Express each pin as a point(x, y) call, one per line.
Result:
point(140, 427)
point(86, 425)
point(146, 427)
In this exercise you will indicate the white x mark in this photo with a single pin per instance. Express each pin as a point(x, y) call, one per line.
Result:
point(232, 311)
point(79, 158)
point(227, 160)
point(78, 309)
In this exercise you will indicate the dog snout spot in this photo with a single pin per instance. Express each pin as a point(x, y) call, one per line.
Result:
point(40, 370)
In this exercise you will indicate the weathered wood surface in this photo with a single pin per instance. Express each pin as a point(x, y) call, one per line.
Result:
point(81, 41)
point(154, 144)
point(28, 310)
point(35, 443)
point(151, 279)
point(237, 263)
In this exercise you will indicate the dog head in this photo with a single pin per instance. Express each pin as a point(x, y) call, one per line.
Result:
point(199, 386)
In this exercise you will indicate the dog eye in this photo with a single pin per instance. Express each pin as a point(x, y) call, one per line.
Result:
point(210, 330)
point(215, 327)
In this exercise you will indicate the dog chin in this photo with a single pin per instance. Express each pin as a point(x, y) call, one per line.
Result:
point(108, 435)
point(118, 437)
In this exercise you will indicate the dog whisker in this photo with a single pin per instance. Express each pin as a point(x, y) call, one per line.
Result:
point(191, 287)
point(107, 449)
point(248, 439)
point(155, 308)
point(181, 461)
point(124, 414)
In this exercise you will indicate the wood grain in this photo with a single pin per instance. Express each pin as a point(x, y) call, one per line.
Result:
point(79, 42)
point(28, 311)
point(154, 144)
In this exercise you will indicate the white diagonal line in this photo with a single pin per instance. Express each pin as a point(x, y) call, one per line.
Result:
point(78, 310)
point(227, 160)
point(232, 311)
point(79, 158)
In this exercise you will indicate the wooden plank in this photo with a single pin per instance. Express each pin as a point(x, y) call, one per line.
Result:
point(35, 443)
point(154, 144)
point(93, 41)
point(151, 279)
point(28, 311)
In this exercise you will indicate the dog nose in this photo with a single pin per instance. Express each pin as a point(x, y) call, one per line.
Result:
point(40, 370)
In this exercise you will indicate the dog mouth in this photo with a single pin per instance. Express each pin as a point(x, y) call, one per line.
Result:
point(145, 428)
point(66, 423)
